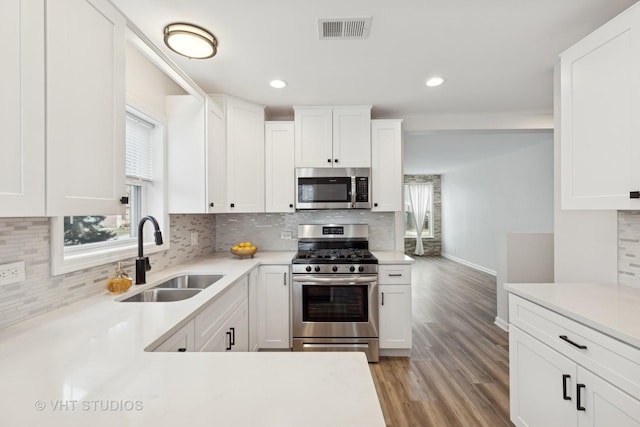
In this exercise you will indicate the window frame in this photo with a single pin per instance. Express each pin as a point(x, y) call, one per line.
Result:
point(154, 199)
point(428, 234)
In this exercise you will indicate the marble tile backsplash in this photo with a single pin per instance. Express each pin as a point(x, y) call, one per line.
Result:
point(629, 248)
point(264, 230)
point(28, 240)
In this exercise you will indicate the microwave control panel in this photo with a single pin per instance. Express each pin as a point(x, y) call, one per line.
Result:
point(362, 189)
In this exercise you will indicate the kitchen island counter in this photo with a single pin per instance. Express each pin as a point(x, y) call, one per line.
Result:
point(86, 364)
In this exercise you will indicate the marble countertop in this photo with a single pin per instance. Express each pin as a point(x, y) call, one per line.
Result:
point(85, 364)
point(610, 309)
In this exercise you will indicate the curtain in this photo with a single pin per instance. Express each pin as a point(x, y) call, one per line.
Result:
point(419, 199)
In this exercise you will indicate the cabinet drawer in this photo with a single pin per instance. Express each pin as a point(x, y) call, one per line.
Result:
point(604, 355)
point(394, 274)
point(212, 318)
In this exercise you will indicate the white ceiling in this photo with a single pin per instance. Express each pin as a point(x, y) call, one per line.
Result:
point(496, 55)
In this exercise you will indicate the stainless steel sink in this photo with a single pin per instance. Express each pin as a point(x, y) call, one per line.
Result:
point(190, 281)
point(163, 295)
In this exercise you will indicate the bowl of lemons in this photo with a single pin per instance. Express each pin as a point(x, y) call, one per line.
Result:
point(244, 249)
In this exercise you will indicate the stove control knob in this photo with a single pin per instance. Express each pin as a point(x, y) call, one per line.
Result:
point(352, 269)
point(308, 268)
point(317, 268)
point(334, 268)
point(361, 269)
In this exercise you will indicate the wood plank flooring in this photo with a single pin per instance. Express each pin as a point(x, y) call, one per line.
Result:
point(458, 373)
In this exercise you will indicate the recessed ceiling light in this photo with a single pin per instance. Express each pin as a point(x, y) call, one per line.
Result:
point(190, 40)
point(278, 84)
point(435, 81)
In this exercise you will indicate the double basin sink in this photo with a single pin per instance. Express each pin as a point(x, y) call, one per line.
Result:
point(176, 289)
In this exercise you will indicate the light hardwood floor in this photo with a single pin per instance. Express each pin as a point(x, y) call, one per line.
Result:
point(458, 373)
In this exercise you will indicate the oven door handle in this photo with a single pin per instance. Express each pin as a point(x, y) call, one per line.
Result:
point(335, 280)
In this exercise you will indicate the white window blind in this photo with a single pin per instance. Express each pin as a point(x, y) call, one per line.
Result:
point(139, 151)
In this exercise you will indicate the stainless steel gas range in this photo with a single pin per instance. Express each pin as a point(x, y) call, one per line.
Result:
point(335, 290)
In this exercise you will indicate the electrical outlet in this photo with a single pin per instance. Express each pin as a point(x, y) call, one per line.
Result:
point(12, 273)
point(285, 235)
point(194, 238)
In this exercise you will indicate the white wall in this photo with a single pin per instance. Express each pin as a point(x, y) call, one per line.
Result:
point(510, 193)
point(147, 85)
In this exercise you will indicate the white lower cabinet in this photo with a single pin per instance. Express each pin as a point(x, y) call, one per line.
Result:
point(565, 374)
point(394, 300)
point(273, 307)
point(253, 310)
point(223, 325)
point(233, 335)
point(182, 340)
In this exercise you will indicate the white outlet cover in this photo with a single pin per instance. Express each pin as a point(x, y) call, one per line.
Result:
point(194, 238)
point(12, 273)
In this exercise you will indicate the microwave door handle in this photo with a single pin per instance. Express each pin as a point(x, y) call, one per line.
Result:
point(354, 191)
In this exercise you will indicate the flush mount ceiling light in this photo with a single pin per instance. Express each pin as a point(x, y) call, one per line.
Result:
point(277, 84)
point(190, 40)
point(434, 81)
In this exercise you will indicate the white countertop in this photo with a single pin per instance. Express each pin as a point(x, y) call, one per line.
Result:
point(85, 364)
point(610, 309)
point(390, 257)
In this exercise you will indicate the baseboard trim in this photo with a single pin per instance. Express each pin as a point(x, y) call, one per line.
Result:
point(469, 264)
point(395, 352)
point(501, 324)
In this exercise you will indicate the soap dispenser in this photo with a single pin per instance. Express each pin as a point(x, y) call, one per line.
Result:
point(120, 282)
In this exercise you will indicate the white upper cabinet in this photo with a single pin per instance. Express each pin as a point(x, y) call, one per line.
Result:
point(600, 106)
point(386, 165)
point(333, 136)
point(279, 167)
point(187, 160)
point(216, 159)
point(85, 107)
point(245, 154)
point(22, 109)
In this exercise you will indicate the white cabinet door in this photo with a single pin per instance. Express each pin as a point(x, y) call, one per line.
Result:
point(279, 167)
point(313, 137)
point(245, 156)
point(22, 108)
point(327, 137)
point(197, 165)
point(239, 326)
point(273, 306)
point(600, 104)
point(253, 310)
point(395, 316)
point(542, 384)
point(386, 165)
point(232, 335)
point(85, 107)
point(186, 154)
point(181, 341)
point(605, 405)
point(352, 137)
point(216, 169)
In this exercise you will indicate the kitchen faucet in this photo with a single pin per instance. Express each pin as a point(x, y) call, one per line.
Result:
point(142, 262)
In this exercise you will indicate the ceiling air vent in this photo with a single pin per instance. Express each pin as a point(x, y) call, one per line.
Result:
point(343, 28)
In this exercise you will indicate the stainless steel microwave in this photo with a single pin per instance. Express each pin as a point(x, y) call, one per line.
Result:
point(333, 188)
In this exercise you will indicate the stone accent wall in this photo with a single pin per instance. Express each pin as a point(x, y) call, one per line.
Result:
point(432, 246)
point(629, 248)
point(28, 240)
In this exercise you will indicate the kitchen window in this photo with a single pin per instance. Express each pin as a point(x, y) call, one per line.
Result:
point(84, 241)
